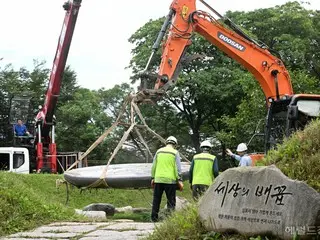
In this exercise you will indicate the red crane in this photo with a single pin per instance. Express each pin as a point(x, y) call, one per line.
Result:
point(45, 119)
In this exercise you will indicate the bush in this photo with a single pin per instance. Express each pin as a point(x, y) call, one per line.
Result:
point(181, 225)
point(186, 224)
point(298, 157)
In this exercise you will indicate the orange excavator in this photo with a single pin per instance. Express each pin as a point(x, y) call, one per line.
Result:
point(287, 111)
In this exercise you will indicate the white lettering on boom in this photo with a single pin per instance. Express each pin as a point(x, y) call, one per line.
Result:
point(231, 42)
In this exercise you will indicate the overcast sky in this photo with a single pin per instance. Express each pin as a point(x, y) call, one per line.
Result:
point(99, 50)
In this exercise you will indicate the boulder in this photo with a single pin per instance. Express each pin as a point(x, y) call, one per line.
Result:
point(98, 215)
point(129, 209)
point(260, 200)
point(109, 209)
point(126, 209)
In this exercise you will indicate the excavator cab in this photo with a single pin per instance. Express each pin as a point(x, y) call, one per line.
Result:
point(302, 109)
point(289, 115)
point(285, 116)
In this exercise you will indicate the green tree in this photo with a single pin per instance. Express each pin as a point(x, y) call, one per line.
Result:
point(195, 97)
point(69, 85)
point(203, 97)
point(292, 31)
point(36, 83)
point(289, 29)
point(77, 119)
point(112, 99)
point(10, 81)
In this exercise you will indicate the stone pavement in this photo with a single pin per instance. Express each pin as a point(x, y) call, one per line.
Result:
point(115, 230)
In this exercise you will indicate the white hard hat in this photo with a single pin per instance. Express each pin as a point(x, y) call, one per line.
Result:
point(171, 139)
point(242, 147)
point(206, 143)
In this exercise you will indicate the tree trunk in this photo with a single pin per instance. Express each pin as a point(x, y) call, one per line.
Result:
point(195, 137)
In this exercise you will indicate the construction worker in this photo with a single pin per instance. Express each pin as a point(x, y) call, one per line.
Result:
point(165, 176)
point(243, 158)
point(203, 170)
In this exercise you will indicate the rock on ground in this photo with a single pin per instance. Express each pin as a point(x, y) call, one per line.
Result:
point(261, 200)
point(109, 209)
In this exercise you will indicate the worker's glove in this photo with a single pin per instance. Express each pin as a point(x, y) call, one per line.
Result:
point(152, 184)
point(180, 185)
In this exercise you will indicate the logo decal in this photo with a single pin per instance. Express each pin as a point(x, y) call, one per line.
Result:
point(184, 11)
point(231, 42)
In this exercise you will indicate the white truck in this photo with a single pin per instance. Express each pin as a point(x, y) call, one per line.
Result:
point(14, 159)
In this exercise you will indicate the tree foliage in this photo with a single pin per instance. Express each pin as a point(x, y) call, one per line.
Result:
point(290, 30)
point(214, 98)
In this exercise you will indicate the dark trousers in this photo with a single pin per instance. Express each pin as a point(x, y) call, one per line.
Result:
point(198, 190)
point(170, 190)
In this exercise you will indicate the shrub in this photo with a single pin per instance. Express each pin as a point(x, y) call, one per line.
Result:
point(299, 156)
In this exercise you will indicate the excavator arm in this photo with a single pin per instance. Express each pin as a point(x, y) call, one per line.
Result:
point(287, 111)
point(184, 20)
point(45, 117)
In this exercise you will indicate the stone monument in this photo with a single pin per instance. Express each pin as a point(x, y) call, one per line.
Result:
point(261, 200)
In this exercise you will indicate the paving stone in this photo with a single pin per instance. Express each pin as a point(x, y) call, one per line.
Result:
point(116, 235)
point(73, 223)
point(99, 224)
point(42, 234)
point(31, 238)
point(70, 228)
point(57, 231)
point(119, 229)
point(123, 220)
point(131, 225)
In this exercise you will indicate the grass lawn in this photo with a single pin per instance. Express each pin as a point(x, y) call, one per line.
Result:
point(28, 201)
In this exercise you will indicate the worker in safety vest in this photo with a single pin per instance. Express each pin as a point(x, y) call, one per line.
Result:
point(203, 170)
point(165, 176)
point(242, 156)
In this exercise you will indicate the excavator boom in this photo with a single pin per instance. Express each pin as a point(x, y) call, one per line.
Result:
point(287, 112)
point(267, 69)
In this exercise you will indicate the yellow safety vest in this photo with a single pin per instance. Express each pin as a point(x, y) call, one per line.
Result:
point(164, 168)
point(203, 169)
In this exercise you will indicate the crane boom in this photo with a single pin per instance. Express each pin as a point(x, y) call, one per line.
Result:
point(45, 117)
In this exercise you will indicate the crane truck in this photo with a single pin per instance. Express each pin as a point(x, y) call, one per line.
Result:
point(40, 153)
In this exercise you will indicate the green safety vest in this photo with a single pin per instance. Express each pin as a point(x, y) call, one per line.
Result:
point(164, 169)
point(203, 169)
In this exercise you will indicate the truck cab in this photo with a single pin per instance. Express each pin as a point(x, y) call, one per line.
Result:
point(14, 159)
